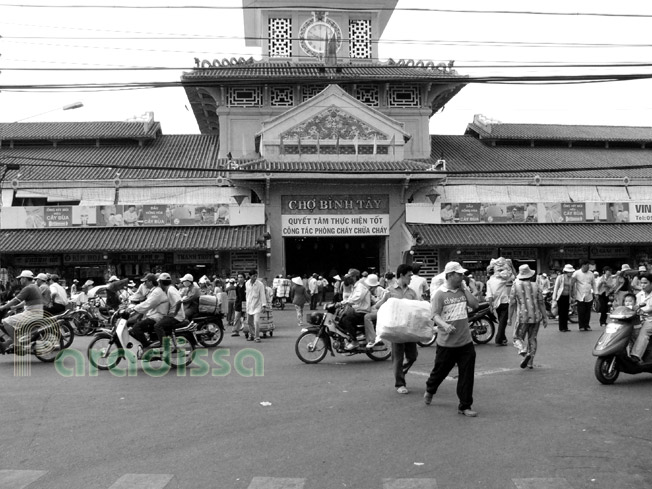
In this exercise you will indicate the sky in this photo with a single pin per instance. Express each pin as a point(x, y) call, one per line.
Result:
point(46, 41)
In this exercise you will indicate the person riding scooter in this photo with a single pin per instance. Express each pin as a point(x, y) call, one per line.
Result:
point(644, 305)
point(31, 296)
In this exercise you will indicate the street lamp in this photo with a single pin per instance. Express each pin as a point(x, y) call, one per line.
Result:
point(72, 106)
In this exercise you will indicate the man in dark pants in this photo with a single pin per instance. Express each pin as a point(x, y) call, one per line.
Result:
point(454, 342)
point(498, 297)
point(582, 288)
point(401, 351)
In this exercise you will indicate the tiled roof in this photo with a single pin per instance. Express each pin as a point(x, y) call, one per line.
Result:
point(78, 130)
point(140, 239)
point(296, 72)
point(561, 132)
point(166, 157)
point(350, 166)
point(469, 154)
point(451, 235)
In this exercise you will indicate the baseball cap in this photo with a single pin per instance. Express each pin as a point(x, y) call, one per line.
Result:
point(164, 276)
point(187, 278)
point(54, 277)
point(150, 276)
point(42, 276)
point(453, 266)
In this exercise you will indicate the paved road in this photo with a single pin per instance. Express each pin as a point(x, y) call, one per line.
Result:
point(338, 424)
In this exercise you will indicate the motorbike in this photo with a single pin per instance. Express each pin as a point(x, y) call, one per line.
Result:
point(110, 346)
point(41, 338)
point(64, 323)
point(278, 303)
point(324, 335)
point(209, 329)
point(612, 347)
point(482, 322)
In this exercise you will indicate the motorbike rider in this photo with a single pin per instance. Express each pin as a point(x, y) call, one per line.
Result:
point(42, 284)
point(154, 308)
point(190, 293)
point(31, 296)
point(360, 302)
point(113, 300)
point(148, 282)
point(58, 295)
point(175, 313)
point(644, 304)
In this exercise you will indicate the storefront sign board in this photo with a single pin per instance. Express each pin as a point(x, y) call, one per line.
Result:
point(30, 262)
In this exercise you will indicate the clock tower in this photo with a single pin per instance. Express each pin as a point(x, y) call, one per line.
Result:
point(301, 33)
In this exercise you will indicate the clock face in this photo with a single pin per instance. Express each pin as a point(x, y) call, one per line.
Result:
point(314, 33)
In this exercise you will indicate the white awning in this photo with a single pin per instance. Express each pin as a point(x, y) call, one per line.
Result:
point(639, 194)
point(583, 194)
point(613, 194)
point(179, 195)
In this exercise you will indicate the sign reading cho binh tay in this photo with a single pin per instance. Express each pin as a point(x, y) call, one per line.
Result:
point(338, 215)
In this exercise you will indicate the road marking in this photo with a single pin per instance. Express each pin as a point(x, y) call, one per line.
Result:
point(142, 481)
point(478, 373)
point(276, 483)
point(18, 479)
point(409, 484)
point(542, 483)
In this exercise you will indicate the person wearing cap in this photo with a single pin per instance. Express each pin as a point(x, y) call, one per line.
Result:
point(82, 297)
point(73, 287)
point(190, 293)
point(400, 351)
point(582, 287)
point(229, 288)
point(256, 302)
point(348, 284)
point(605, 285)
point(147, 284)
point(454, 342)
point(378, 293)
point(153, 309)
point(58, 296)
point(561, 294)
point(337, 288)
point(635, 285)
point(360, 302)
point(298, 297)
point(313, 289)
point(526, 302)
point(113, 289)
point(44, 287)
point(31, 296)
point(176, 309)
point(624, 279)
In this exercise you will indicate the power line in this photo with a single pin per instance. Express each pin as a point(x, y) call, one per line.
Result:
point(320, 6)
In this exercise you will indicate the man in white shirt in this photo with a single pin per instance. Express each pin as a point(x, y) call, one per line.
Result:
point(58, 295)
point(582, 288)
point(418, 283)
point(256, 302)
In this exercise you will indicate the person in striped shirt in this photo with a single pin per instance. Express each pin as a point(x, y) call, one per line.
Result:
point(526, 301)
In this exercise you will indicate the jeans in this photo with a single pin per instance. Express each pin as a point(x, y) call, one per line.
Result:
point(584, 313)
point(638, 350)
point(445, 359)
point(502, 314)
point(563, 304)
point(399, 352)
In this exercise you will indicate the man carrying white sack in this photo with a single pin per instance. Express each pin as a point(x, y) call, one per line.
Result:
point(400, 351)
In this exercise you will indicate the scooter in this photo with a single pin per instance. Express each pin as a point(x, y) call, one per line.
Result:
point(41, 338)
point(612, 347)
point(110, 346)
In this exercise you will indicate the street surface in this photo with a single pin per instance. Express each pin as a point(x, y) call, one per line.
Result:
point(338, 424)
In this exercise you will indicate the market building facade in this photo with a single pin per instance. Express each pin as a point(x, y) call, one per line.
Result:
point(318, 158)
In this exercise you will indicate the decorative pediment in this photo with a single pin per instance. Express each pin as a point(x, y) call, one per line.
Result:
point(330, 125)
point(333, 123)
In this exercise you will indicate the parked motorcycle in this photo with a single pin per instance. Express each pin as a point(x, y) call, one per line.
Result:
point(612, 347)
point(324, 335)
point(482, 323)
point(110, 346)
